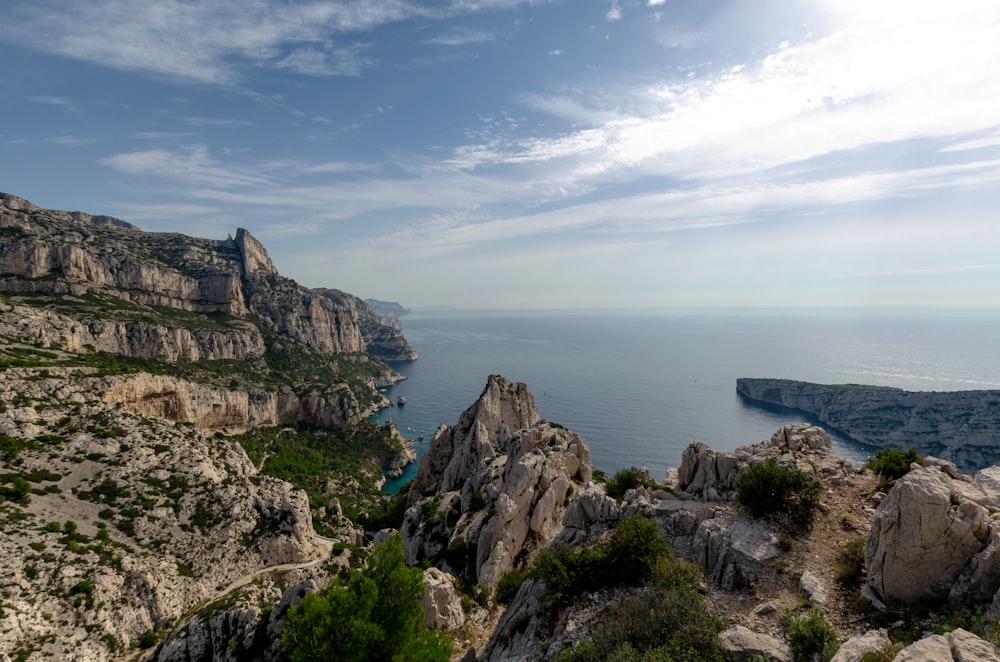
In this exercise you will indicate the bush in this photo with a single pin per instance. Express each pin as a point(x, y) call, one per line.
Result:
point(851, 561)
point(890, 464)
point(509, 585)
point(769, 489)
point(477, 501)
point(655, 624)
point(810, 635)
point(15, 488)
point(625, 480)
point(375, 615)
point(630, 555)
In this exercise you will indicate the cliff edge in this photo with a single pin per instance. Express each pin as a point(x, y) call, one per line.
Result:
point(960, 426)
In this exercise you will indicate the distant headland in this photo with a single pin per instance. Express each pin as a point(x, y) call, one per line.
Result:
point(960, 426)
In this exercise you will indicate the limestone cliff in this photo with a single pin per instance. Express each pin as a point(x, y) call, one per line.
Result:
point(87, 284)
point(80, 257)
point(960, 426)
point(494, 487)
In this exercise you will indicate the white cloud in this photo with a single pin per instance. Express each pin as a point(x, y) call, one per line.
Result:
point(63, 102)
point(463, 37)
point(194, 166)
point(615, 13)
point(212, 42)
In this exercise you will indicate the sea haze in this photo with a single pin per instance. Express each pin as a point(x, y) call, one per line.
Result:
point(640, 386)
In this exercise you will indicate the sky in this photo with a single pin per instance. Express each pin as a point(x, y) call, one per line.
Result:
point(532, 154)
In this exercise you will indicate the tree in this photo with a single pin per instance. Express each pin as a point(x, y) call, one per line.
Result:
point(375, 615)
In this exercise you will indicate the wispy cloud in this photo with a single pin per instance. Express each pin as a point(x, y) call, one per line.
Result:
point(62, 102)
point(344, 61)
point(194, 166)
point(463, 37)
point(216, 42)
point(615, 13)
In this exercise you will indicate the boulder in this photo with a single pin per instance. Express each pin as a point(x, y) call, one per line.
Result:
point(958, 646)
point(733, 554)
point(442, 604)
point(855, 648)
point(924, 536)
point(744, 645)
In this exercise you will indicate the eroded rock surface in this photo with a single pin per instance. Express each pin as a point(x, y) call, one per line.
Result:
point(494, 487)
point(933, 538)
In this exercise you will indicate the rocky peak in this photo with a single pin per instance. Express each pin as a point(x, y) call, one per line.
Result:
point(494, 487)
point(256, 261)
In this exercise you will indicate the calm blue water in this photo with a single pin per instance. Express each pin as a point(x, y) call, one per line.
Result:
point(640, 387)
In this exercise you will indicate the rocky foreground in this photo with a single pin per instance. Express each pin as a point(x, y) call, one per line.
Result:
point(960, 426)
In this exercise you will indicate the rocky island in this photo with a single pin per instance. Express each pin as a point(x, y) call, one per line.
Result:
point(960, 426)
point(186, 474)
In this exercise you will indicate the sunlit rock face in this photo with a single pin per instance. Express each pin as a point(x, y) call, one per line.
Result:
point(494, 487)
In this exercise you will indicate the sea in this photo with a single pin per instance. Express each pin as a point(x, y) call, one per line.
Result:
point(640, 386)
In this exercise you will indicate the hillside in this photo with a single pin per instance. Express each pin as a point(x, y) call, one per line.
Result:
point(175, 417)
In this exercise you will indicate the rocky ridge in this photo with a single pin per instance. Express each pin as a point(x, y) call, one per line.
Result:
point(79, 256)
point(960, 426)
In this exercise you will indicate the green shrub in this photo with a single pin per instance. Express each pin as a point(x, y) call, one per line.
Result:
point(148, 639)
point(889, 464)
point(810, 635)
point(655, 624)
point(374, 615)
point(15, 488)
point(769, 489)
point(509, 585)
point(477, 501)
point(850, 562)
point(625, 480)
point(631, 554)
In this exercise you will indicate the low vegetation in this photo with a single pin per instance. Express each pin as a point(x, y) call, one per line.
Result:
point(375, 614)
point(784, 493)
point(850, 562)
point(628, 479)
point(890, 464)
point(810, 635)
point(666, 619)
point(315, 459)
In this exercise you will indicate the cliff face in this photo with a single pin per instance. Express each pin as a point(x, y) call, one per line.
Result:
point(80, 256)
point(960, 426)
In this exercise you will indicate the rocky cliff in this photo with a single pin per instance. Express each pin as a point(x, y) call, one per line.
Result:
point(960, 426)
point(494, 487)
point(157, 277)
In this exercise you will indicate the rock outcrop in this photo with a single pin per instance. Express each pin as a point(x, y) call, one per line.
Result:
point(960, 426)
point(494, 487)
point(934, 537)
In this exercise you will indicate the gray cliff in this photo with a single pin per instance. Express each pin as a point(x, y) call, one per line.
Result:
point(79, 256)
point(960, 426)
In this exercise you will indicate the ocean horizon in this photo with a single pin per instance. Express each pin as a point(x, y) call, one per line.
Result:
point(640, 386)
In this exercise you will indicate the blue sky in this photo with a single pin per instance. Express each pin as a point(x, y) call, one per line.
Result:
point(506, 154)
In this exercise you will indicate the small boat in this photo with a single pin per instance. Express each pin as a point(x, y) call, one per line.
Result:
point(400, 401)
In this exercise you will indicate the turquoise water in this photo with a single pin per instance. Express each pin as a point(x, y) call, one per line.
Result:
point(640, 387)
